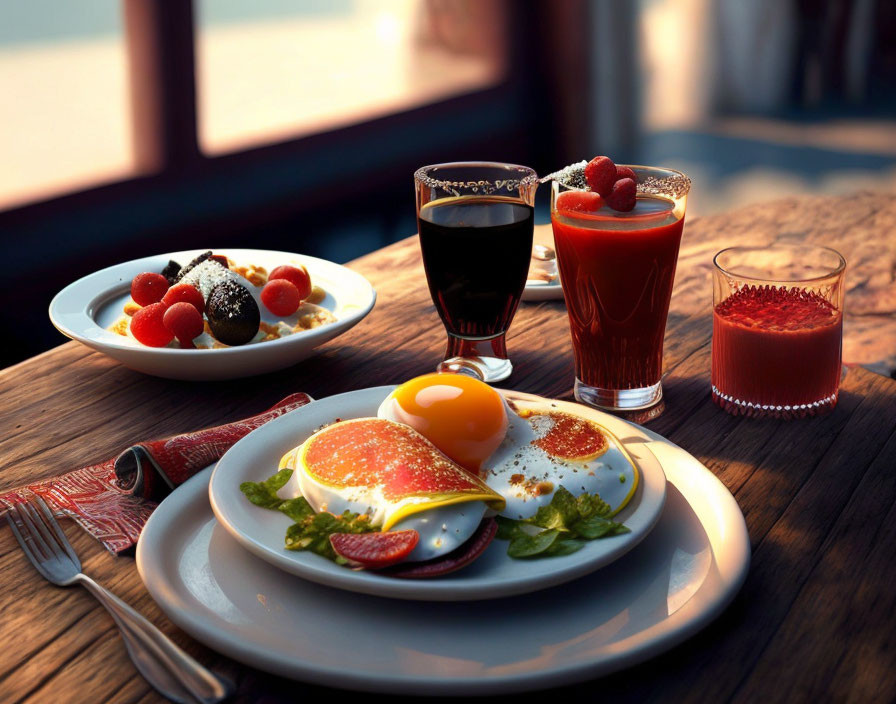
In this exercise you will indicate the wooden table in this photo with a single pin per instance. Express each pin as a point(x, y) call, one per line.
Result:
point(814, 621)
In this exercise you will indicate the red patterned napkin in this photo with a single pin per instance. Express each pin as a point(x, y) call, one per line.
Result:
point(113, 499)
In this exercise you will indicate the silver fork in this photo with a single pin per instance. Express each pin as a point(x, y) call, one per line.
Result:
point(164, 665)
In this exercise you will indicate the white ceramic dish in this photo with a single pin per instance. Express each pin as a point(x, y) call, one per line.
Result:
point(673, 584)
point(492, 575)
point(85, 309)
point(542, 290)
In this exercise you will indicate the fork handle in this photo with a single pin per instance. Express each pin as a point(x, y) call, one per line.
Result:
point(164, 665)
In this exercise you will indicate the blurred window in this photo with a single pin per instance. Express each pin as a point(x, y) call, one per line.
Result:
point(64, 124)
point(266, 71)
point(273, 69)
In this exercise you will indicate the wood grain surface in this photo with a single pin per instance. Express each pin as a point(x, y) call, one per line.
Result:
point(814, 621)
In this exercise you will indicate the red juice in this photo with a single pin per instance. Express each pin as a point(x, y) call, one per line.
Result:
point(776, 351)
point(617, 271)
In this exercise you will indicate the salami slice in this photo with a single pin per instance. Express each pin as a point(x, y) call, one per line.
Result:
point(375, 550)
point(454, 560)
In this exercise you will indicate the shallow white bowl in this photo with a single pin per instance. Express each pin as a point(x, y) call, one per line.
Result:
point(86, 309)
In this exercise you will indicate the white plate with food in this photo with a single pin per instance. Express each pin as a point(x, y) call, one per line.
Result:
point(523, 478)
point(663, 591)
point(94, 310)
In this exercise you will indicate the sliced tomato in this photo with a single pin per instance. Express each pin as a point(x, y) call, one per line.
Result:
point(375, 550)
point(454, 560)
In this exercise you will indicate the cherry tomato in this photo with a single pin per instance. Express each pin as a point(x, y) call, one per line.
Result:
point(148, 327)
point(148, 287)
point(281, 297)
point(298, 276)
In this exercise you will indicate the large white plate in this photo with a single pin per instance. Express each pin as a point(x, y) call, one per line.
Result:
point(494, 574)
point(85, 309)
point(666, 589)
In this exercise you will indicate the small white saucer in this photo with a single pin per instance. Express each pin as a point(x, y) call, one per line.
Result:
point(542, 290)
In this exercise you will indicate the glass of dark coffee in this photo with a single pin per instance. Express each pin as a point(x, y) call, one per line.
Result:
point(475, 221)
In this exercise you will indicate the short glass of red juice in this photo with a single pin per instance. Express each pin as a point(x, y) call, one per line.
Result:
point(617, 270)
point(475, 221)
point(777, 329)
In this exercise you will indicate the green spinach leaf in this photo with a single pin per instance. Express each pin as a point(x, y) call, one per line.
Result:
point(566, 524)
point(309, 531)
point(264, 493)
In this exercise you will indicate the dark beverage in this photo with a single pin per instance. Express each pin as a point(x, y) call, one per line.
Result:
point(476, 252)
point(475, 220)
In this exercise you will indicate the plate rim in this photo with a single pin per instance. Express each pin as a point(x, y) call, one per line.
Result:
point(732, 566)
point(95, 293)
point(451, 587)
point(542, 291)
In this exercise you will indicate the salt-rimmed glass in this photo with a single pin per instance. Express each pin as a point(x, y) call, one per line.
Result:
point(777, 330)
point(617, 270)
point(475, 221)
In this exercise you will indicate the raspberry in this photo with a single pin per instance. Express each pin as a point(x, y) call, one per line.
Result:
point(184, 322)
point(623, 195)
point(148, 327)
point(184, 293)
point(625, 172)
point(148, 287)
point(281, 297)
point(600, 173)
point(579, 201)
point(297, 275)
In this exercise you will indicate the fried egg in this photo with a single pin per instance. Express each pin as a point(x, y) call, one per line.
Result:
point(391, 473)
point(523, 451)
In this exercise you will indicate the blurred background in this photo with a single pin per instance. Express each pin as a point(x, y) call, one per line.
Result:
point(136, 127)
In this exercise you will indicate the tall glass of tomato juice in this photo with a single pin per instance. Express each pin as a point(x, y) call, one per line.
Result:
point(617, 270)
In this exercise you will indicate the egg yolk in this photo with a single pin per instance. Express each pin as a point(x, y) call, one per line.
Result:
point(464, 417)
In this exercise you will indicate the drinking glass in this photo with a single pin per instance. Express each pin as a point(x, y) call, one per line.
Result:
point(777, 329)
point(475, 221)
point(617, 270)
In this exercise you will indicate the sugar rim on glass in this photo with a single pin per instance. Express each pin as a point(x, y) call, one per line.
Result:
point(675, 185)
point(487, 185)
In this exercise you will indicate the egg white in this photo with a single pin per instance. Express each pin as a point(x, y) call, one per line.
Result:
point(611, 475)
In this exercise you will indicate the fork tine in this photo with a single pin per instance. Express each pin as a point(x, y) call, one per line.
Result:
point(29, 533)
point(51, 521)
point(14, 518)
point(39, 532)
